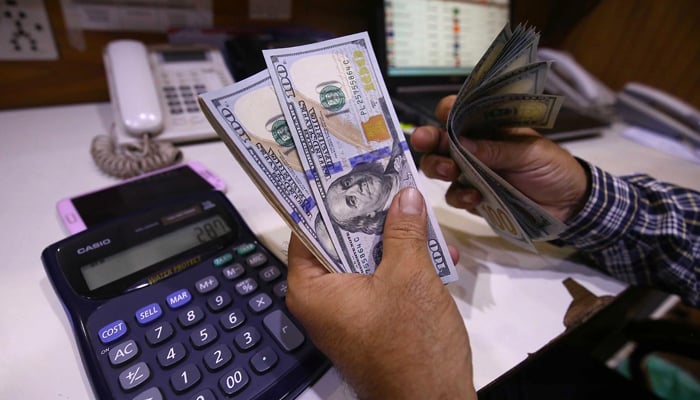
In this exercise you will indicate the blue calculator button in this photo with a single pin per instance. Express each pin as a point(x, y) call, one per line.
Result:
point(149, 313)
point(112, 331)
point(179, 298)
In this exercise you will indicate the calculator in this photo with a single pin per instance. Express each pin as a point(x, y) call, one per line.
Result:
point(181, 301)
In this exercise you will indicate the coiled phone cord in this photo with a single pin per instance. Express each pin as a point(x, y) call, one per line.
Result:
point(126, 160)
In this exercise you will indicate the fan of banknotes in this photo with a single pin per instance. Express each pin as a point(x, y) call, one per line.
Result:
point(318, 135)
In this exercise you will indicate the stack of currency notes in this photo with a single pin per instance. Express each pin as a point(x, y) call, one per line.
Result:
point(318, 135)
point(505, 89)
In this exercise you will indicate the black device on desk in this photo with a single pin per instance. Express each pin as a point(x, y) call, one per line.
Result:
point(181, 301)
point(574, 365)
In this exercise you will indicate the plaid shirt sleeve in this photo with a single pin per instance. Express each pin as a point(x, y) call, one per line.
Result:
point(642, 231)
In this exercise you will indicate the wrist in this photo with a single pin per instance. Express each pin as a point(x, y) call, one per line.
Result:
point(583, 192)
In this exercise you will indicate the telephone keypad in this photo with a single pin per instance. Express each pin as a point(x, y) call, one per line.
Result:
point(182, 97)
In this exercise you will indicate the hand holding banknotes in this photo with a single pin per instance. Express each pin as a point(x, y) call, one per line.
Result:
point(542, 170)
point(403, 336)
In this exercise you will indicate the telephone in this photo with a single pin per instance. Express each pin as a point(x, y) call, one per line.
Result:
point(657, 111)
point(154, 91)
point(568, 78)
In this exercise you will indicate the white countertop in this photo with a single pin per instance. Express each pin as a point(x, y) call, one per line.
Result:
point(513, 302)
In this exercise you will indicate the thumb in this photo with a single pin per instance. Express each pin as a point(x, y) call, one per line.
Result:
point(405, 232)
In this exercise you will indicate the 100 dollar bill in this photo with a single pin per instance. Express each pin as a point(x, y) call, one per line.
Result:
point(351, 147)
point(249, 120)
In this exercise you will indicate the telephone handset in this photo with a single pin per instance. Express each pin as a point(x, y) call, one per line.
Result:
point(154, 99)
point(568, 78)
point(132, 88)
point(657, 111)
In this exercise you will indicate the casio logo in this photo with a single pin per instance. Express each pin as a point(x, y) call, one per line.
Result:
point(94, 246)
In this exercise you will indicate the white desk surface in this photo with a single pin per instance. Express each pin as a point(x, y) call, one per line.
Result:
point(512, 302)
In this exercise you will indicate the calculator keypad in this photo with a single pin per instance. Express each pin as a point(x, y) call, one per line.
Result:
point(216, 330)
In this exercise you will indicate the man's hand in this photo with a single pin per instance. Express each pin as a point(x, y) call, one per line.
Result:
point(538, 167)
point(396, 334)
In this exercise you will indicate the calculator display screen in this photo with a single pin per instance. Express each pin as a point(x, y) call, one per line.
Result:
point(134, 259)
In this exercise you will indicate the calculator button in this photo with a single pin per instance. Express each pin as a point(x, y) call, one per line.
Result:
point(148, 314)
point(205, 394)
point(190, 316)
point(263, 360)
point(171, 355)
point(219, 301)
point(203, 336)
point(255, 260)
point(159, 333)
point(206, 285)
point(260, 302)
point(232, 320)
point(283, 330)
point(280, 289)
point(185, 377)
point(150, 394)
point(112, 331)
point(134, 376)
point(178, 299)
point(245, 249)
point(246, 286)
point(233, 271)
point(223, 259)
point(247, 338)
point(269, 274)
point(234, 381)
point(123, 352)
point(218, 357)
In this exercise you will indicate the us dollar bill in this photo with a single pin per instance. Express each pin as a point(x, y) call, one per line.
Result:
point(505, 90)
point(353, 152)
point(248, 118)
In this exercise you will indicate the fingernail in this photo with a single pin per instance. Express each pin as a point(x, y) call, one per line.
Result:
point(469, 198)
point(444, 169)
point(411, 202)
